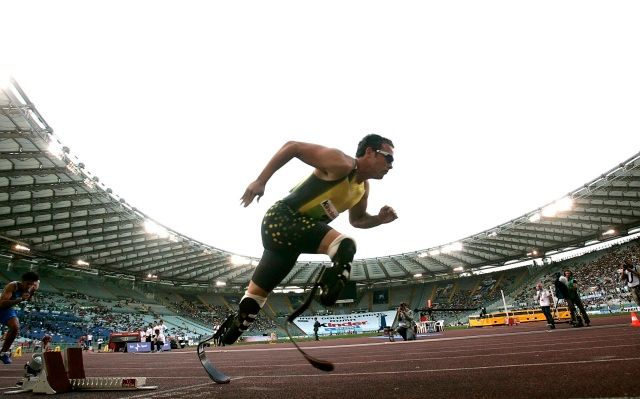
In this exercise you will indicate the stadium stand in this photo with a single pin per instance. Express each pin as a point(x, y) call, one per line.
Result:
point(67, 310)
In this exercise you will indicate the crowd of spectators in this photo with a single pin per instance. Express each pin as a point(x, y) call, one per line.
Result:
point(67, 316)
point(599, 279)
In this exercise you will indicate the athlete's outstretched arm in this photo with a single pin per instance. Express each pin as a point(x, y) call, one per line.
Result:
point(358, 216)
point(329, 163)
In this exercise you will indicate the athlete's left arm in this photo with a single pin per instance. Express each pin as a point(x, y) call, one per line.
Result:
point(358, 216)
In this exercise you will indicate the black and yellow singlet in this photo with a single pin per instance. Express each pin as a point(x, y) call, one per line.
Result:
point(325, 200)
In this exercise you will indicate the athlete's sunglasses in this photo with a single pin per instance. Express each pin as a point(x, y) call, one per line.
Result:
point(387, 156)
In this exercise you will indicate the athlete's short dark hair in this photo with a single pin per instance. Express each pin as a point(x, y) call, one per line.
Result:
point(30, 276)
point(375, 141)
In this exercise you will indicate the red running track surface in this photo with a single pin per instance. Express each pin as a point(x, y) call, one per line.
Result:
point(524, 361)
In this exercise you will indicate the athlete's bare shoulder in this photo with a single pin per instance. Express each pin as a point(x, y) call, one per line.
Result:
point(330, 163)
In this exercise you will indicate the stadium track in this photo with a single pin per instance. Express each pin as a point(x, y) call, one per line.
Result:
point(523, 361)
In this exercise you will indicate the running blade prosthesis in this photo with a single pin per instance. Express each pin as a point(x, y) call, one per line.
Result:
point(216, 375)
point(220, 378)
point(317, 363)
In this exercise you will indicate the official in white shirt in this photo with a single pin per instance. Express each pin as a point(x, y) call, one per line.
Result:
point(544, 298)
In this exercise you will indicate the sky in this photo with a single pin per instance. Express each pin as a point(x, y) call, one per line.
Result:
point(495, 108)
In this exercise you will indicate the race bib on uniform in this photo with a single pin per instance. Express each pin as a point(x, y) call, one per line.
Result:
point(329, 209)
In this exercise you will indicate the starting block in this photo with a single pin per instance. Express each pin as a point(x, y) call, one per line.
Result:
point(56, 378)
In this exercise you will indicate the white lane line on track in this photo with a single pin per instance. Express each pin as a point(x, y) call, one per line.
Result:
point(501, 366)
point(177, 390)
point(555, 333)
point(423, 341)
point(369, 358)
point(401, 359)
point(400, 351)
point(325, 375)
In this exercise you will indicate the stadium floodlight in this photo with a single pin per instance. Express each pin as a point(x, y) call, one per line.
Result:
point(535, 217)
point(238, 260)
point(56, 149)
point(220, 283)
point(423, 255)
point(561, 205)
point(549, 211)
point(152, 227)
point(456, 246)
point(417, 275)
point(81, 262)
point(492, 234)
point(564, 204)
point(458, 269)
point(20, 247)
point(609, 232)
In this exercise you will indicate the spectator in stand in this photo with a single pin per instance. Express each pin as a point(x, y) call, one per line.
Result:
point(162, 327)
point(544, 299)
point(159, 340)
point(89, 341)
point(154, 327)
point(149, 336)
point(573, 300)
point(632, 278)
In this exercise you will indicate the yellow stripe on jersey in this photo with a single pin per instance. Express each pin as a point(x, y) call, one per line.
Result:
point(325, 200)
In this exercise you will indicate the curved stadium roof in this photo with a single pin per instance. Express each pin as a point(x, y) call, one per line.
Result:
point(52, 205)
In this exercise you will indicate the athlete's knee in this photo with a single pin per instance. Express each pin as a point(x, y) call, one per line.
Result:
point(248, 309)
point(13, 325)
point(342, 250)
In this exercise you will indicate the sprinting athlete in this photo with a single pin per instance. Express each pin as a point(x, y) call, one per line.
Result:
point(299, 223)
point(14, 293)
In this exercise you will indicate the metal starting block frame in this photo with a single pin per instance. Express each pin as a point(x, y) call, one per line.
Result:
point(109, 384)
point(56, 378)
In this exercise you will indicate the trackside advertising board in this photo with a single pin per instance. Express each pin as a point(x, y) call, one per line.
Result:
point(347, 324)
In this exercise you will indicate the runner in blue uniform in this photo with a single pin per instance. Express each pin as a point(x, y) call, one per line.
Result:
point(14, 293)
